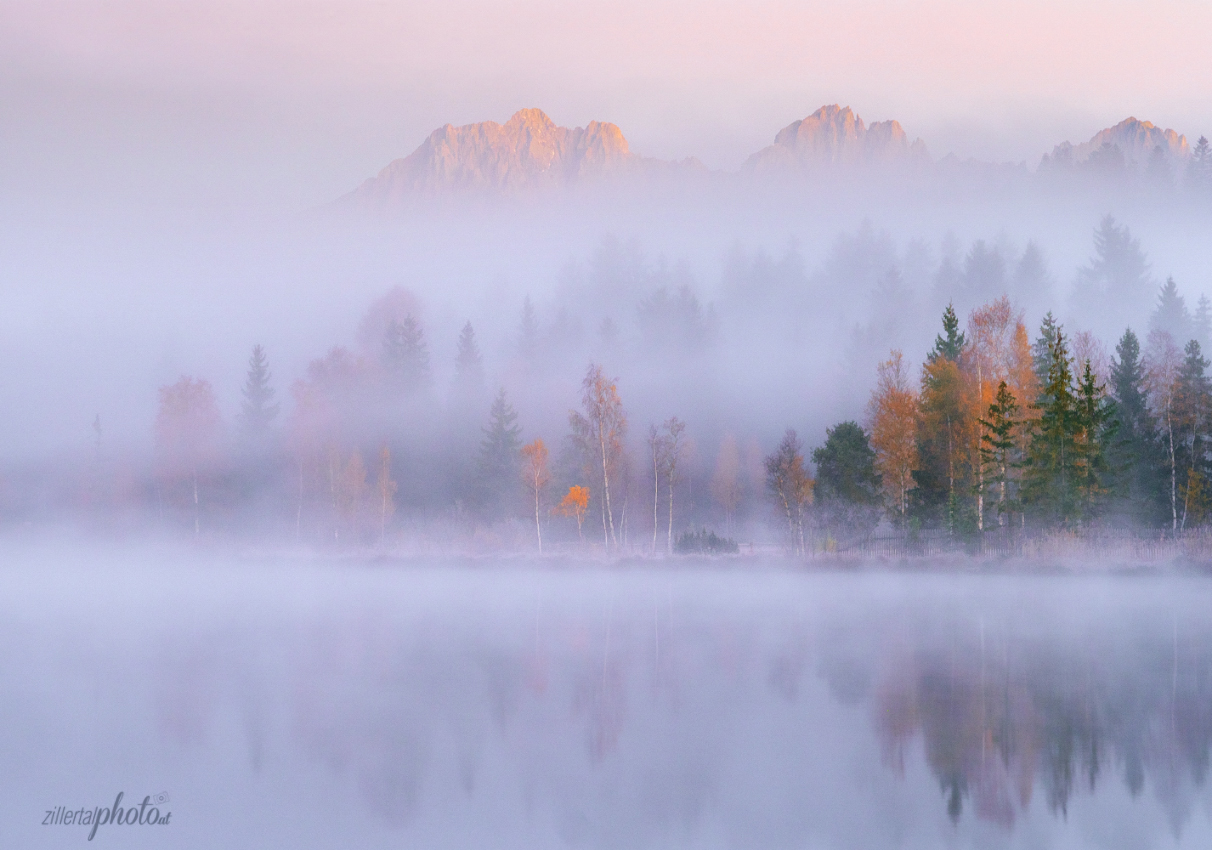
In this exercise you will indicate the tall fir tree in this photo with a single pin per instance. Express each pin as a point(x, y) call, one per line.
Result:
point(1199, 168)
point(469, 364)
point(499, 461)
point(1170, 313)
point(1134, 455)
point(406, 354)
point(1042, 348)
point(1201, 322)
point(1050, 483)
point(528, 337)
point(258, 409)
point(1096, 426)
point(999, 455)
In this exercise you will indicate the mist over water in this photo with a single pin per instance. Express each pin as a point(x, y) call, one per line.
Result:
point(447, 703)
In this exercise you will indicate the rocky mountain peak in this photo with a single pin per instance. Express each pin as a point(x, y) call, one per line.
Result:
point(835, 137)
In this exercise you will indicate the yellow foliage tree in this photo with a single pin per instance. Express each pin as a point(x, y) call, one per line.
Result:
point(892, 419)
point(575, 504)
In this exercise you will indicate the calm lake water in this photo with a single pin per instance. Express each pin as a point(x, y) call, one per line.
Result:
point(295, 704)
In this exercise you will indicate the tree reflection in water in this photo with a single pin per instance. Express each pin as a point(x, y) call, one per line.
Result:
point(999, 710)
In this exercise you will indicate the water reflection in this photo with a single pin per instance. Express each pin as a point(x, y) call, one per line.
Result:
point(455, 707)
point(999, 712)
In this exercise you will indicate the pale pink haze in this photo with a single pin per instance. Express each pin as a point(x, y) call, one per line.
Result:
point(352, 85)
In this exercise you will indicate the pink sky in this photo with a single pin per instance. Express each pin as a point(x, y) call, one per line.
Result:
point(314, 96)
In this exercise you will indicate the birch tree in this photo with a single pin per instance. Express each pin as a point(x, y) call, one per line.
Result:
point(536, 476)
point(790, 486)
point(599, 432)
point(1162, 363)
point(188, 433)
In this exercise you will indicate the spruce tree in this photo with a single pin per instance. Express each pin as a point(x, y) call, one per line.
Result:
point(1134, 455)
point(1199, 169)
point(1117, 276)
point(1041, 349)
point(405, 354)
point(1170, 314)
point(1050, 483)
point(499, 456)
point(950, 344)
point(469, 365)
point(998, 448)
point(847, 484)
point(1201, 323)
point(528, 342)
point(258, 408)
point(1096, 426)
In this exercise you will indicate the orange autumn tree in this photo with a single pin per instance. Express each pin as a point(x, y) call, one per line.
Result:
point(188, 436)
point(575, 504)
point(892, 420)
point(536, 476)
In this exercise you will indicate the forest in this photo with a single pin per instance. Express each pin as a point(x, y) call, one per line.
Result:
point(1000, 434)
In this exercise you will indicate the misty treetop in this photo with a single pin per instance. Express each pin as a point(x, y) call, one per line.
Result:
point(997, 427)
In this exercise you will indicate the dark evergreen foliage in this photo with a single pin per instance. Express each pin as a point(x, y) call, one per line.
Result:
point(950, 344)
point(1134, 456)
point(845, 467)
point(999, 455)
point(1096, 426)
point(705, 542)
point(1050, 481)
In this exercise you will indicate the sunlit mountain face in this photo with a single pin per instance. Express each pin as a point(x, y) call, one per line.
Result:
point(553, 706)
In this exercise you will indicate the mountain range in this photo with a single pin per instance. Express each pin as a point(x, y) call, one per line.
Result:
point(529, 151)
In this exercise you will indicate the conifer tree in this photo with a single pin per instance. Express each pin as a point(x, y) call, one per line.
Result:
point(1199, 169)
point(1096, 426)
point(950, 344)
point(1201, 323)
point(1134, 454)
point(1170, 314)
point(1050, 483)
point(469, 364)
point(998, 449)
point(847, 483)
point(258, 408)
point(1117, 276)
point(406, 354)
point(1041, 349)
point(499, 455)
point(528, 343)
